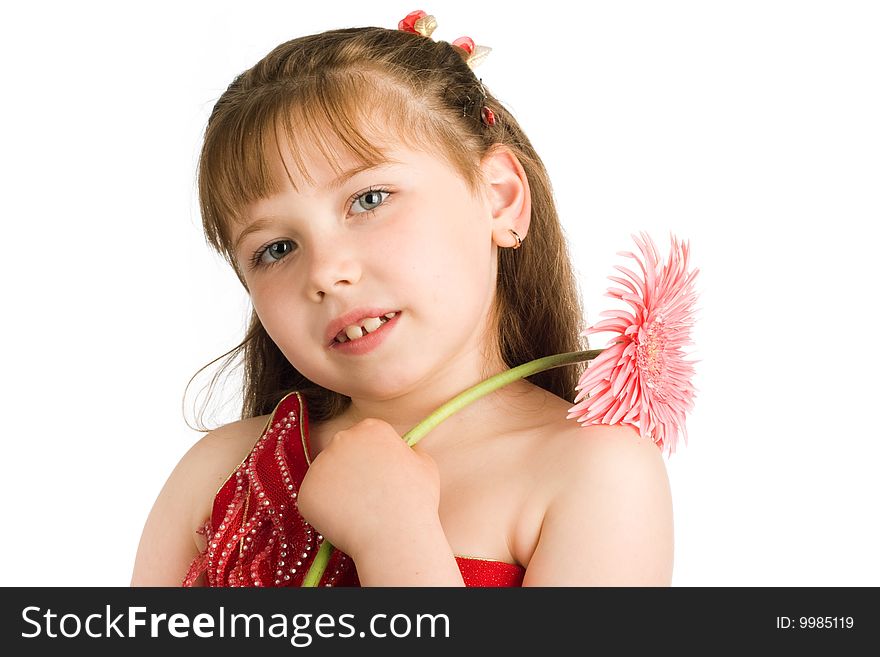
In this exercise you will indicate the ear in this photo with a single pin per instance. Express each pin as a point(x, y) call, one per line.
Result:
point(507, 189)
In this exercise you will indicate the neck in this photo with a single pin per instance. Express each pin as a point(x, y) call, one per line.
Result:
point(499, 412)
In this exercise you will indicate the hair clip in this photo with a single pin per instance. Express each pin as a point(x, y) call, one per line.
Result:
point(487, 116)
point(418, 22)
point(476, 54)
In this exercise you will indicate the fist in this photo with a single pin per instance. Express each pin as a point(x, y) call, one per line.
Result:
point(367, 482)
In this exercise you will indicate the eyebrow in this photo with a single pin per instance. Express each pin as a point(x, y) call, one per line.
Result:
point(333, 185)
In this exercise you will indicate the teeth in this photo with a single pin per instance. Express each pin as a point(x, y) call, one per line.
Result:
point(372, 323)
point(369, 324)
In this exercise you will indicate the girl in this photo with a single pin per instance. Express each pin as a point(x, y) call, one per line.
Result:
point(397, 235)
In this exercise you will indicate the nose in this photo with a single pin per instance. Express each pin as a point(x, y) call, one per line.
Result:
point(332, 269)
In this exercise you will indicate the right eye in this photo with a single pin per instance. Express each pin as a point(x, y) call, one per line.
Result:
point(273, 253)
point(378, 199)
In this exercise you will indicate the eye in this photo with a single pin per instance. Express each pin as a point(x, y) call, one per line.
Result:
point(279, 249)
point(370, 199)
point(274, 252)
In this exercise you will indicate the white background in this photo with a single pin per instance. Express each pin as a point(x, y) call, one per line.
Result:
point(749, 128)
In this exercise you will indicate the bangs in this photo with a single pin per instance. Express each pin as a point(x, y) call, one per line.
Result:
point(364, 114)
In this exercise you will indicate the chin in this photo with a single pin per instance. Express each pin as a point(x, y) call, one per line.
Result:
point(378, 390)
point(352, 385)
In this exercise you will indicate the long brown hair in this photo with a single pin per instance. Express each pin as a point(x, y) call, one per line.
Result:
point(347, 83)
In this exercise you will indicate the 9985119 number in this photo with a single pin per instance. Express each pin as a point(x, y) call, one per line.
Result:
point(815, 622)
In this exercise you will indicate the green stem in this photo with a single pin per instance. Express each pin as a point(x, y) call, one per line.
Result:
point(414, 435)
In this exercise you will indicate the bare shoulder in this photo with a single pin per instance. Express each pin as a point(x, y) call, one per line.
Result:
point(561, 452)
point(169, 541)
point(215, 456)
point(575, 452)
point(220, 451)
point(607, 510)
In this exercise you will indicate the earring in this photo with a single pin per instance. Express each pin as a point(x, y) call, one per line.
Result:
point(518, 240)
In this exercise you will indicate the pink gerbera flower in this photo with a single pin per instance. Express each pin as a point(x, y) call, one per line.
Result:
point(640, 378)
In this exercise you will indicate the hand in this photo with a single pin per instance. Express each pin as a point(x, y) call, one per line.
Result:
point(368, 482)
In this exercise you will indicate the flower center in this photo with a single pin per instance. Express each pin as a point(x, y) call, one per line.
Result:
point(649, 353)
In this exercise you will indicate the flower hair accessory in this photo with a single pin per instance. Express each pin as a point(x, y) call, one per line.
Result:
point(476, 54)
point(419, 22)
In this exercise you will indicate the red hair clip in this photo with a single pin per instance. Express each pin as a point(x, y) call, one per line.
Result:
point(418, 22)
point(476, 54)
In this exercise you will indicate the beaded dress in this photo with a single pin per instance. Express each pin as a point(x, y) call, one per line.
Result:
point(256, 536)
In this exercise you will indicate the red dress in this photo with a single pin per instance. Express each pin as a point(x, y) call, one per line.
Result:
point(256, 536)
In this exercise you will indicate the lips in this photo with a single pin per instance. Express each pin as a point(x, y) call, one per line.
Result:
point(353, 317)
point(367, 343)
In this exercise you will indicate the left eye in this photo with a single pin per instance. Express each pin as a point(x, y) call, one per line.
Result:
point(370, 199)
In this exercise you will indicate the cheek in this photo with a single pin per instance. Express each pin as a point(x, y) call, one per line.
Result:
point(272, 323)
point(449, 238)
point(277, 318)
point(454, 277)
point(265, 305)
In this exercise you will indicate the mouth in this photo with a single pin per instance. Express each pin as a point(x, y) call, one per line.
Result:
point(364, 337)
point(362, 328)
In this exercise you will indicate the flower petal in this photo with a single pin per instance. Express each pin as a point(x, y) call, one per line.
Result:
point(642, 377)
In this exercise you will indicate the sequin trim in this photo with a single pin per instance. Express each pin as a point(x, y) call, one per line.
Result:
point(302, 434)
point(275, 544)
point(265, 426)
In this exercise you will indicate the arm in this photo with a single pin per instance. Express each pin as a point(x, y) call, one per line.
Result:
point(168, 542)
point(610, 522)
point(167, 547)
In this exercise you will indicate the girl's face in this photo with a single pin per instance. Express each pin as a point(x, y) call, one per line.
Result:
point(406, 236)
